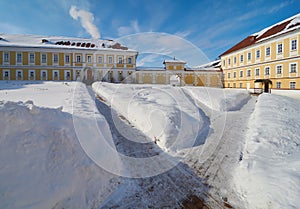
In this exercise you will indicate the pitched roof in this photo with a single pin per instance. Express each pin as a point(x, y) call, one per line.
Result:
point(284, 26)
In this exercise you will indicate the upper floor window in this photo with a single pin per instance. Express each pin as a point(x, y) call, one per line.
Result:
point(242, 58)
point(267, 71)
point(248, 73)
point(279, 69)
point(234, 60)
point(55, 58)
point(44, 58)
point(100, 59)
point(228, 75)
point(249, 55)
point(120, 60)
point(110, 60)
point(229, 61)
point(224, 62)
point(257, 71)
point(78, 58)
point(89, 59)
point(31, 58)
point(19, 57)
point(294, 44)
point(129, 60)
point(257, 53)
point(6, 57)
point(234, 74)
point(293, 68)
point(268, 51)
point(241, 73)
point(67, 58)
point(279, 48)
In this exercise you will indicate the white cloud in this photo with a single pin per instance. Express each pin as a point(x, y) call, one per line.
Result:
point(183, 34)
point(126, 30)
point(86, 20)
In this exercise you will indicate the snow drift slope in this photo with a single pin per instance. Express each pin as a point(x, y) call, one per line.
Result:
point(42, 164)
point(269, 174)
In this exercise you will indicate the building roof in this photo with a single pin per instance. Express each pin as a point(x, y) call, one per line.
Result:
point(277, 29)
point(174, 61)
point(18, 40)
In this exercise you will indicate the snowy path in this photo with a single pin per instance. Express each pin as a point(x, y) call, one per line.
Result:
point(167, 190)
point(228, 129)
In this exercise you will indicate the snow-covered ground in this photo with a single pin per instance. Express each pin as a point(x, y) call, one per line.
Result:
point(221, 145)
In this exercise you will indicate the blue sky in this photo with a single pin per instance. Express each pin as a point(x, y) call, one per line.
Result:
point(212, 26)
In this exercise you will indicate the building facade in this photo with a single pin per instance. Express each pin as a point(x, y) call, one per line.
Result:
point(28, 57)
point(266, 60)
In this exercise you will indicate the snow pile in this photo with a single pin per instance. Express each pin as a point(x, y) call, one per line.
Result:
point(42, 164)
point(220, 99)
point(269, 174)
point(164, 113)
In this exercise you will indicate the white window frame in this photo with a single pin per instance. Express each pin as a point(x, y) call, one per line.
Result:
point(19, 59)
point(241, 85)
point(19, 72)
point(278, 85)
point(249, 56)
point(44, 61)
point(267, 71)
point(281, 69)
point(8, 57)
point(248, 73)
point(229, 61)
point(292, 45)
point(241, 74)
point(228, 75)
point(31, 61)
point(129, 60)
point(234, 60)
point(100, 59)
point(257, 71)
point(67, 60)
point(281, 48)
point(89, 59)
point(294, 70)
point(29, 75)
point(234, 74)
point(41, 76)
point(66, 77)
point(242, 58)
point(8, 74)
point(55, 59)
point(55, 78)
point(110, 60)
point(120, 59)
point(257, 54)
point(268, 54)
point(78, 58)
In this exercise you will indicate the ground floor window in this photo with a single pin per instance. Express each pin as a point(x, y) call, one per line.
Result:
point(31, 75)
point(43, 75)
point(6, 75)
point(234, 85)
point(228, 85)
point(292, 85)
point(19, 75)
point(241, 85)
point(278, 85)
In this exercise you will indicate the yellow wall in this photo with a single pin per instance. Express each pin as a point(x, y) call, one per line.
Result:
point(13, 58)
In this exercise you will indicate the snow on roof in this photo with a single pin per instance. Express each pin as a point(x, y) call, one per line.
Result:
point(285, 26)
point(174, 61)
point(213, 64)
point(20, 40)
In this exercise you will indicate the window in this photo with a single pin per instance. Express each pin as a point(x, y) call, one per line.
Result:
point(55, 58)
point(234, 74)
point(19, 75)
point(228, 85)
point(6, 57)
point(293, 68)
point(67, 58)
point(292, 85)
point(241, 85)
point(257, 72)
point(268, 51)
point(44, 75)
point(267, 71)
point(234, 85)
point(278, 85)
point(294, 44)
point(44, 58)
point(120, 77)
point(78, 58)
point(120, 60)
point(31, 74)
point(89, 59)
point(279, 69)
point(100, 59)
point(228, 75)
point(55, 75)
point(234, 60)
point(229, 61)
point(248, 73)
point(241, 74)
point(249, 55)
point(242, 58)
point(129, 60)
point(279, 48)
point(6, 74)
point(257, 54)
point(110, 60)
point(19, 57)
point(224, 62)
point(31, 58)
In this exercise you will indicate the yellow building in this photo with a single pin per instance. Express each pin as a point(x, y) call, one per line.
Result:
point(265, 60)
point(29, 57)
